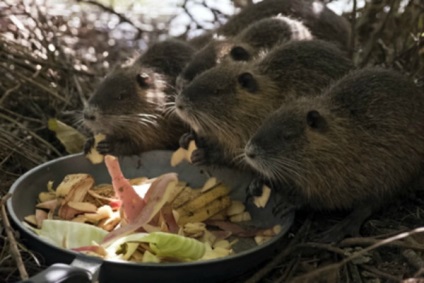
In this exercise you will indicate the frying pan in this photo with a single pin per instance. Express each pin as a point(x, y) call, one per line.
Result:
point(70, 266)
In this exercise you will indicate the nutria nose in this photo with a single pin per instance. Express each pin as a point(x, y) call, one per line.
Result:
point(251, 155)
point(179, 105)
point(89, 116)
point(249, 151)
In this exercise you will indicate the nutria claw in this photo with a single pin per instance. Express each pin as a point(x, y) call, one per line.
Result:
point(105, 146)
point(186, 138)
point(199, 157)
point(206, 153)
point(255, 188)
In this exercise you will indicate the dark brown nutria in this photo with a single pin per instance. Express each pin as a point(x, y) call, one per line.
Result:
point(351, 148)
point(130, 105)
point(322, 22)
point(256, 38)
point(226, 104)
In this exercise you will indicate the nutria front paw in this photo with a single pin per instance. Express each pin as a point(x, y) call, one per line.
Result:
point(186, 138)
point(199, 157)
point(105, 146)
point(255, 188)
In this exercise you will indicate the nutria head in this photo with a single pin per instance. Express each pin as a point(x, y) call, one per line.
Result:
point(128, 96)
point(226, 102)
point(207, 57)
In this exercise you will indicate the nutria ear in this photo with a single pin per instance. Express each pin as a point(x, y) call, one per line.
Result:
point(248, 82)
point(143, 80)
point(315, 120)
point(238, 53)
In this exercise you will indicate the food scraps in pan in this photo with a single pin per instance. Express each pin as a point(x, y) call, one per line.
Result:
point(159, 219)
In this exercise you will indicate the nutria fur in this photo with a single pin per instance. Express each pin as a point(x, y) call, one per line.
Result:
point(355, 146)
point(227, 103)
point(255, 39)
point(131, 103)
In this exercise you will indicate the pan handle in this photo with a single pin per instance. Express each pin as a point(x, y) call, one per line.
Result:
point(81, 270)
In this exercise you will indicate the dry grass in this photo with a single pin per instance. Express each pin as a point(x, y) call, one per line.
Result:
point(50, 63)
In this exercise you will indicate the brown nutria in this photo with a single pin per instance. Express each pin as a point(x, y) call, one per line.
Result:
point(130, 105)
point(226, 104)
point(256, 38)
point(322, 22)
point(351, 148)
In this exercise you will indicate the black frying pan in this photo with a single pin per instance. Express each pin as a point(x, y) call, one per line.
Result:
point(85, 268)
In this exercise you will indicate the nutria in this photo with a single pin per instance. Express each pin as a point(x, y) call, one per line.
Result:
point(351, 148)
point(226, 104)
point(130, 105)
point(255, 39)
point(322, 22)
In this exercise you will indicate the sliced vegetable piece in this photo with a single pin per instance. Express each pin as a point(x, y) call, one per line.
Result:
point(83, 182)
point(157, 199)
point(262, 200)
point(93, 155)
point(178, 156)
point(132, 203)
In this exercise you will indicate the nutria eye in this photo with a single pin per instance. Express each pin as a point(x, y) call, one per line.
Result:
point(238, 53)
point(143, 80)
point(315, 120)
point(120, 96)
point(248, 82)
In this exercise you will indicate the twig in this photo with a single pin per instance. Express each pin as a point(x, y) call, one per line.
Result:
point(215, 12)
point(413, 258)
point(354, 273)
point(8, 92)
point(37, 137)
point(12, 241)
point(186, 10)
point(36, 83)
point(353, 30)
point(121, 17)
point(420, 272)
point(289, 270)
point(375, 36)
point(372, 241)
point(20, 116)
point(335, 266)
point(322, 246)
point(380, 273)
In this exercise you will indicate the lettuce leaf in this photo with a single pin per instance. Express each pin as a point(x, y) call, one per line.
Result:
point(72, 235)
point(175, 246)
point(163, 245)
point(69, 235)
